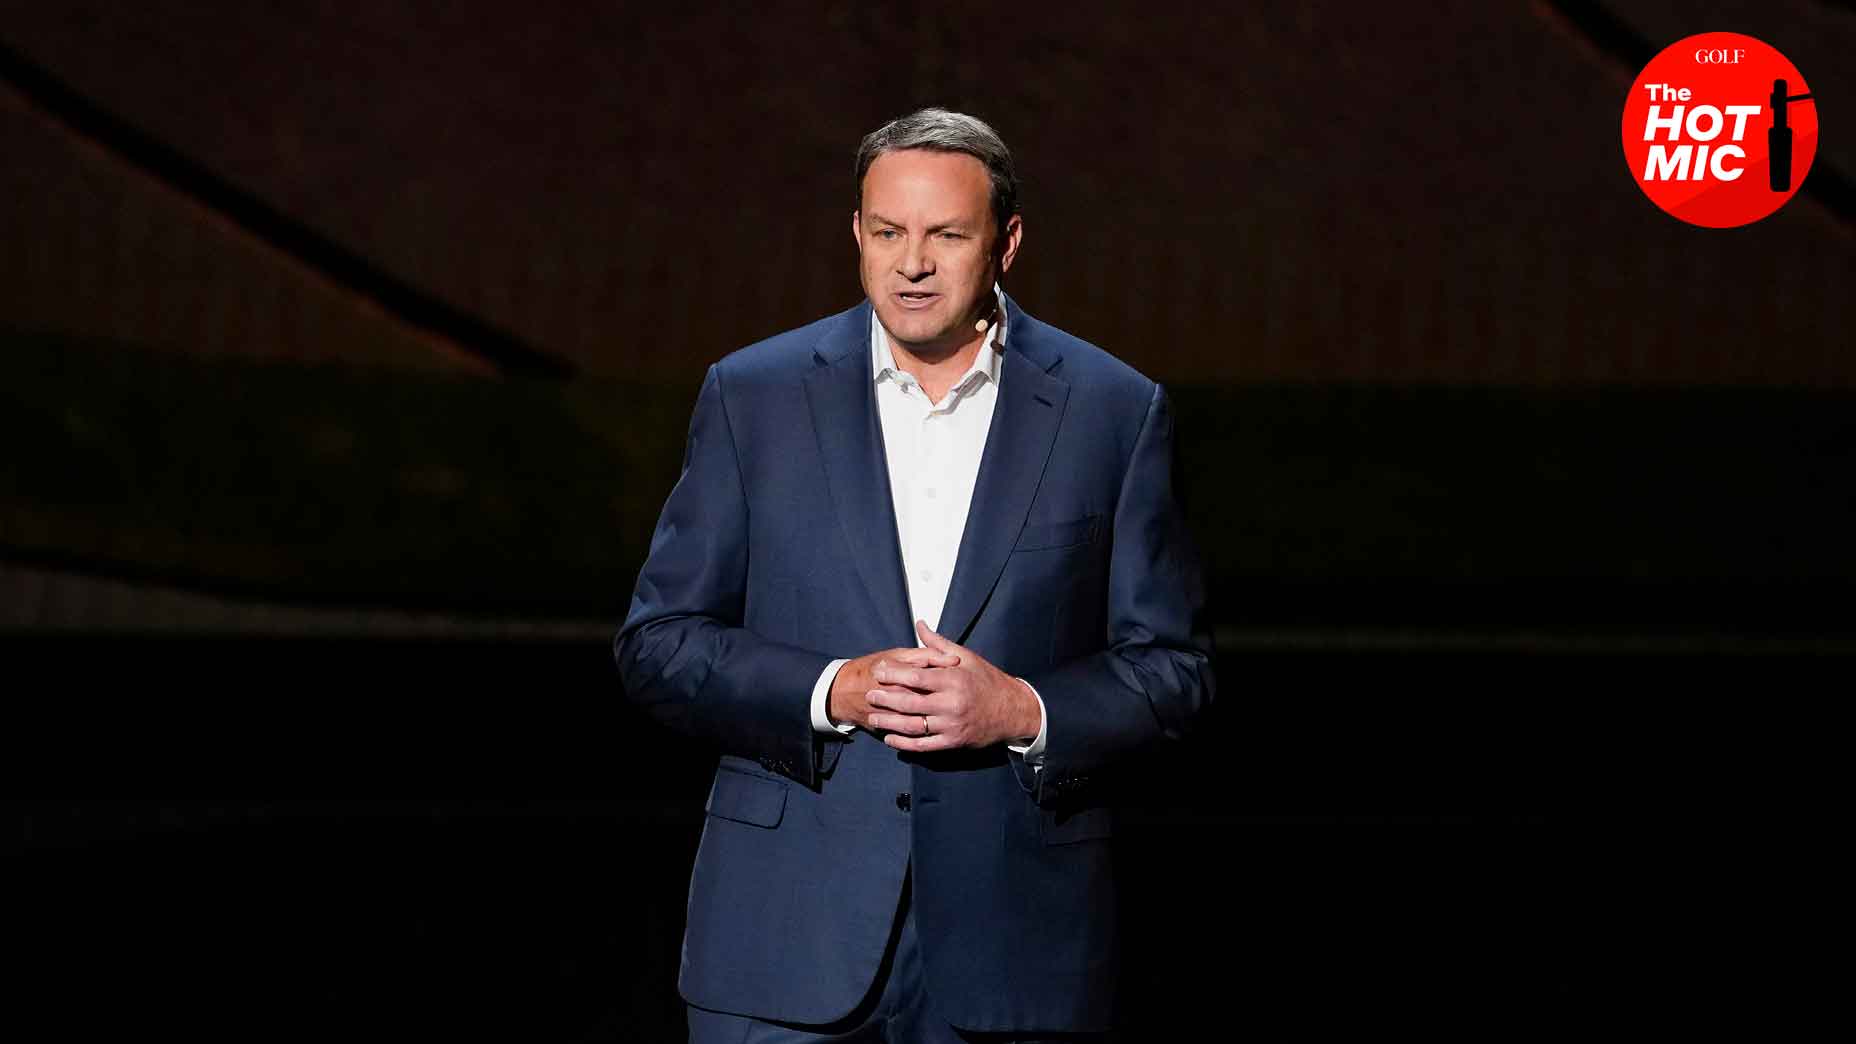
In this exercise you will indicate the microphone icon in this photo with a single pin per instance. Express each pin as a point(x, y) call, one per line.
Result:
point(1779, 140)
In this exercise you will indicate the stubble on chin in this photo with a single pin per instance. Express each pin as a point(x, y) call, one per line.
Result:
point(927, 337)
point(938, 341)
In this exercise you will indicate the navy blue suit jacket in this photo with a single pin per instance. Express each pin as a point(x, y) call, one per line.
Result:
point(776, 552)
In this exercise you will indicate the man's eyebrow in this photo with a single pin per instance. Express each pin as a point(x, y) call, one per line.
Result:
point(955, 225)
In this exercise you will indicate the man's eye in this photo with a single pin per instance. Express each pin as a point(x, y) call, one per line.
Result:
point(952, 235)
point(886, 233)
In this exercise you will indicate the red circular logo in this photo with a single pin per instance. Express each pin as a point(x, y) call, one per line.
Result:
point(1719, 130)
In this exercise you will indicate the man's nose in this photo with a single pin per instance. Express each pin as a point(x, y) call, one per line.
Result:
point(915, 262)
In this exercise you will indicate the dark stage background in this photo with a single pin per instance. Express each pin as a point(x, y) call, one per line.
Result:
point(348, 354)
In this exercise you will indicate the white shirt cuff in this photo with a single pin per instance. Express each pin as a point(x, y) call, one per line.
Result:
point(1034, 751)
point(821, 701)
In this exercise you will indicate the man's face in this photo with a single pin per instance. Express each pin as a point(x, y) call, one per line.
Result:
point(929, 247)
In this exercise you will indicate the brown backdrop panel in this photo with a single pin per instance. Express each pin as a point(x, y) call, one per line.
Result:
point(89, 248)
point(1331, 193)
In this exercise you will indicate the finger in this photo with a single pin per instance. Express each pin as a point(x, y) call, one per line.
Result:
point(921, 679)
point(938, 705)
point(926, 658)
point(921, 744)
point(902, 701)
point(903, 724)
point(933, 640)
point(891, 674)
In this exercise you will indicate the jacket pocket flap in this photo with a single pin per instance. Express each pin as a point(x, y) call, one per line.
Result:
point(1083, 824)
point(747, 799)
point(1048, 535)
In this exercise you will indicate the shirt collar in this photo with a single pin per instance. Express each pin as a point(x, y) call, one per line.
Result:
point(883, 359)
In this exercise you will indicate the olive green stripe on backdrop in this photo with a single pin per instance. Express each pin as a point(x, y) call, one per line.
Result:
point(382, 487)
point(323, 483)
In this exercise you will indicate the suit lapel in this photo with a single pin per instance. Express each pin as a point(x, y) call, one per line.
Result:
point(1018, 444)
point(841, 394)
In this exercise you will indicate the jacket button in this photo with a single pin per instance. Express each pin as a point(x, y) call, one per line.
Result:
point(902, 801)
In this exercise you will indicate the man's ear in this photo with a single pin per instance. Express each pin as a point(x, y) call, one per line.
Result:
point(857, 230)
point(1008, 243)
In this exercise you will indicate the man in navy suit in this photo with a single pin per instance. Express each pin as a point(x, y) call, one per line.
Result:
point(923, 581)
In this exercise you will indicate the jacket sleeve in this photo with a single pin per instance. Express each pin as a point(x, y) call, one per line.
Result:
point(1155, 676)
point(683, 654)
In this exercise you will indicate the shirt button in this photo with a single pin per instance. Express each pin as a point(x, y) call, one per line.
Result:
point(902, 801)
point(926, 574)
point(930, 492)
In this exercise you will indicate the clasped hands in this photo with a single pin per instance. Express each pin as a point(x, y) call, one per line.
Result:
point(939, 696)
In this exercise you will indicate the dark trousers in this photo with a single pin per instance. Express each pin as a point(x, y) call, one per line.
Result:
point(897, 1010)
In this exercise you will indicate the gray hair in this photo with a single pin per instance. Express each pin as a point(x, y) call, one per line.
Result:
point(939, 130)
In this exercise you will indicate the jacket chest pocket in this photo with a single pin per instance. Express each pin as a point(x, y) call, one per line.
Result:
point(1055, 536)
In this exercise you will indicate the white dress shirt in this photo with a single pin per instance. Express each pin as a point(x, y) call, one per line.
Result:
point(934, 452)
